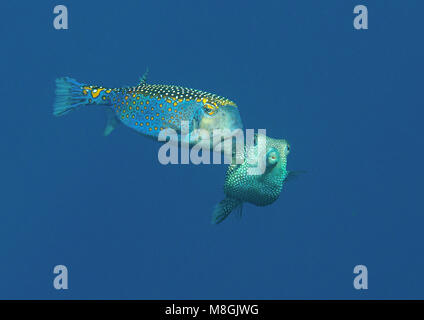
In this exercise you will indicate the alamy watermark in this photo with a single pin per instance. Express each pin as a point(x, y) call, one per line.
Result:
point(60, 281)
point(201, 146)
point(61, 20)
point(361, 20)
point(360, 282)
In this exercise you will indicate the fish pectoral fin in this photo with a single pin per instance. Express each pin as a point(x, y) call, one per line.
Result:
point(111, 122)
point(292, 175)
point(224, 208)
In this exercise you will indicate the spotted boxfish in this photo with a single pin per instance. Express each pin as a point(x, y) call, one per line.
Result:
point(150, 108)
point(246, 182)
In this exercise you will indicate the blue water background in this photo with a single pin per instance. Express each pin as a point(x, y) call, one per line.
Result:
point(350, 103)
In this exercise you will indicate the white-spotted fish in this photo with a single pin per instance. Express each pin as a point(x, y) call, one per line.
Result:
point(247, 182)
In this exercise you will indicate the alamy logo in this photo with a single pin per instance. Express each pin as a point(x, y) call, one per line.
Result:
point(196, 147)
point(60, 282)
point(361, 280)
point(361, 20)
point(61, 20)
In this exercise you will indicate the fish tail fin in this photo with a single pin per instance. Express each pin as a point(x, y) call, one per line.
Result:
point(224, 208)
point(70, 94)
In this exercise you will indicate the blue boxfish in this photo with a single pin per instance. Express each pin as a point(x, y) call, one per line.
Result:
point(150, 108)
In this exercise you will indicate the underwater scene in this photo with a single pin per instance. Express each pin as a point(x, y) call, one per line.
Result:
point(212, 149)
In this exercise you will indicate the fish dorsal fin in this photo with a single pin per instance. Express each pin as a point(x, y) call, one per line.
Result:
point(144, 77)
point(111, 122)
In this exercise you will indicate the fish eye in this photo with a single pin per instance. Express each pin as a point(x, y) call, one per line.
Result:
point(272, 157)
point(209, 109)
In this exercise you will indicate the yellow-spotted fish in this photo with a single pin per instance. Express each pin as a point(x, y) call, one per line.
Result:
point(150, 108)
